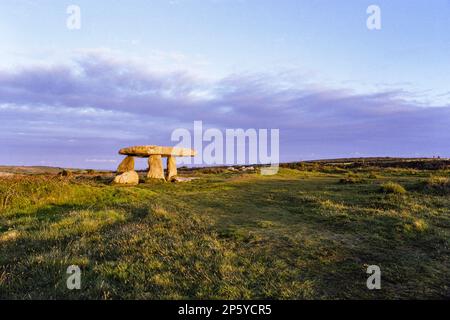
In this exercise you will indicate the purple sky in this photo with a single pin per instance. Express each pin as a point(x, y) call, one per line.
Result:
point(80, 114)
point(311, 70)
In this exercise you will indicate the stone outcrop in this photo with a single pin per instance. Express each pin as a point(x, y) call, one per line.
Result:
point(127, 178)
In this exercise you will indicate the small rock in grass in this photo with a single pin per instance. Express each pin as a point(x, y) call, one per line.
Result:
point(183, 179)
point(127, 178)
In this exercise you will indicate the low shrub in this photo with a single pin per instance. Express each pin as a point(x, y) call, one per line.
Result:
point(351, 179)
point(212, 170)
point(393, 188)
point(438, 184)
point(23, 191)
point(373, 175)
point(66, 173)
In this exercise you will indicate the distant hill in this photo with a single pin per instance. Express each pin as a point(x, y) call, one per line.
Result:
point(376, 159)
point(30, 169)
point(382, 162)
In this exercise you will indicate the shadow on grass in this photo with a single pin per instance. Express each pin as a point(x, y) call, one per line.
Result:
point(36, 268)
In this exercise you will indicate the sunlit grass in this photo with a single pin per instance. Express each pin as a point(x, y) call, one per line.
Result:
point(297, 235)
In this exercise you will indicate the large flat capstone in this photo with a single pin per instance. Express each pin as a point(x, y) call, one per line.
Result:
point(146, 151)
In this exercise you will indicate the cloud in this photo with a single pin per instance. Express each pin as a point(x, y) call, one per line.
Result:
point(102, 160)
point(97, 103)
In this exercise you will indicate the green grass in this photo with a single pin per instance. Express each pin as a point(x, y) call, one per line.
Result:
point(297, 235)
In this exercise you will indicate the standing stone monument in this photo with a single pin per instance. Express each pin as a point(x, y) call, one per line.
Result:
point(155, 166)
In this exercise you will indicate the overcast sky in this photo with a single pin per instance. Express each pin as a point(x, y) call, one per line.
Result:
point(137, 70)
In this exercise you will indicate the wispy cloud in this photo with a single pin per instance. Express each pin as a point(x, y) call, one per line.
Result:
point(88, 108)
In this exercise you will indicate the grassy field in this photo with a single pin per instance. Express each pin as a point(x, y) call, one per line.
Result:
point(308, 232)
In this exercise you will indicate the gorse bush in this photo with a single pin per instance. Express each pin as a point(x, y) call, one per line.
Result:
point(212, 170)
point(393, 188)
point(65, 173)
point(373, 175)
point(438, 181)
point(438, 184)
point(22, 191)
point(351, 179)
